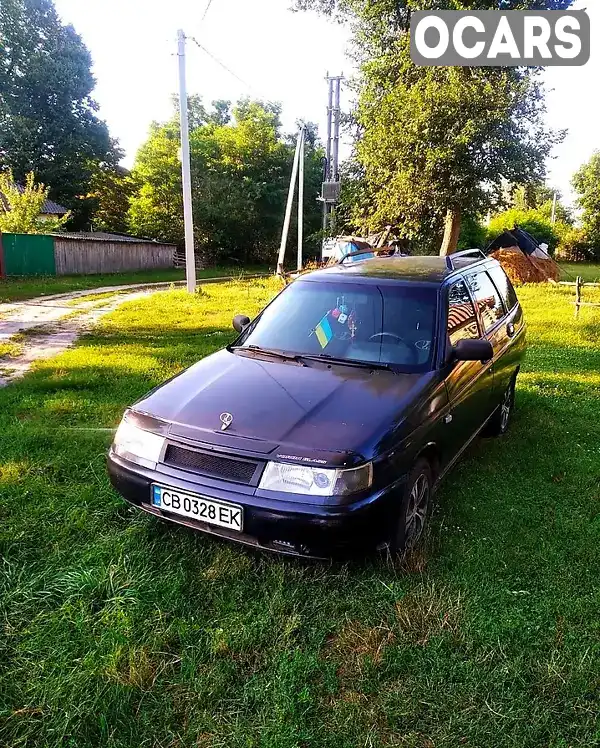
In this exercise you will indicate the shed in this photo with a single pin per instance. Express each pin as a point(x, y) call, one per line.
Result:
point(100, 252)
point(84, 253)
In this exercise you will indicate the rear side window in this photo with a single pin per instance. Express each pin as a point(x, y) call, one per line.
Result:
point(503, 284)
point(462, 320)
point(487, 299)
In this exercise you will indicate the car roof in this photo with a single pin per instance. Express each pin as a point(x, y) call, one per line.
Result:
point(424, 270)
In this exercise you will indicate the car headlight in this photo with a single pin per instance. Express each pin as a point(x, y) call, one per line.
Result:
point(137, 445)
point(315, 481)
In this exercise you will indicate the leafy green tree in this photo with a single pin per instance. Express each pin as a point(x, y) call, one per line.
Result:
point(241, 166)
point(21, 209)
point(48, 120)
point(538, 196)
point(111, 189)
point(586, 183)
point(437, 142)
point(156, 209)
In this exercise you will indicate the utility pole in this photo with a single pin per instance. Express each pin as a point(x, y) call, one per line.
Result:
point(327, 170)
point(331, 179)
point(337, 115)
point(302, 137)
point(554, 209)
point(290, 201)
point(190, 260)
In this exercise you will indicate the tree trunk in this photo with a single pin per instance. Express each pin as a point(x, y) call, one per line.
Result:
point(451, 232)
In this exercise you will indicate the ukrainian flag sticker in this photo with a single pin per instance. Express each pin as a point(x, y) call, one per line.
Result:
point(323, 332)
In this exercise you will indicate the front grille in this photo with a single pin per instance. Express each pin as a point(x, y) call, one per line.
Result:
point(227, 468)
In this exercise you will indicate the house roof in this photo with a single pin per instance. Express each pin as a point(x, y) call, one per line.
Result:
point(49, 208)
point(103, 236)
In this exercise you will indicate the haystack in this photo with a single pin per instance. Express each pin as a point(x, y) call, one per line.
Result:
point(523, 268)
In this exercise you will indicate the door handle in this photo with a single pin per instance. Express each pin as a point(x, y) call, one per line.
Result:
point(510, 329)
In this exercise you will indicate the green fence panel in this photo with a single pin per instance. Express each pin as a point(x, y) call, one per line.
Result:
point(28, 254)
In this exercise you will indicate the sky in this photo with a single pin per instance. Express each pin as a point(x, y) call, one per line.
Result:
point(279, 56)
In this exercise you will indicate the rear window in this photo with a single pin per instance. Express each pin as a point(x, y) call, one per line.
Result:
point(503, 284)
point(487, 299)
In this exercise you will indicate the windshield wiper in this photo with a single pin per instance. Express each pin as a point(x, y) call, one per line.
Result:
point(268, 352)
point(348, 361)
point(299, 357)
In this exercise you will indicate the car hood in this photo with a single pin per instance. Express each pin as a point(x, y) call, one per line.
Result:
point(297, 412)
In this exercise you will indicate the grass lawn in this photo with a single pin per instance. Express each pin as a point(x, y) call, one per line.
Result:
point(21, 288)
point(589, 271)
point(119, 630)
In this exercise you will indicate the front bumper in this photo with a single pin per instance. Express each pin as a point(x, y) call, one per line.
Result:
point(291, 528)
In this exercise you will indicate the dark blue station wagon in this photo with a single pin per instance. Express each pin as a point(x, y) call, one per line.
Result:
point(326, 426)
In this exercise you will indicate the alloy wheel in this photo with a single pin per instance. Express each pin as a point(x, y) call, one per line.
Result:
point(505, 409)
point(416, 510)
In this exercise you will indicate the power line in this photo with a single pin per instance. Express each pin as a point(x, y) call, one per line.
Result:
point(221, 64)
point(206, 9)
point(227, 69)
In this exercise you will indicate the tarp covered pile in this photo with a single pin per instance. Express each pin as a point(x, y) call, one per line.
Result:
point(523, 259)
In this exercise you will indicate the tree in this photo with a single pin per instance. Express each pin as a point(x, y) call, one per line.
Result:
point(111, 189)
point(437, 142)
point(586, 183)
point(156, 209)
point(48, 120)
point(575, 246)
point(540, 197)
point(240, 165)
point(21, 209)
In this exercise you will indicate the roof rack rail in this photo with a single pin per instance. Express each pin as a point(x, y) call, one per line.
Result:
point(464, 253)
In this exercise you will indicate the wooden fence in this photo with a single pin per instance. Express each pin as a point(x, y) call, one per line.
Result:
point(80, 254)
point(77, 256)
point(579, 285)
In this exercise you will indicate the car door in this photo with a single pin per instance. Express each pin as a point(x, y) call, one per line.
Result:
point(492, 319)
point(469, 384)
point(511, 332)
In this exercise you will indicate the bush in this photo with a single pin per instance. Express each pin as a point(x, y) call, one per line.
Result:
point(532, 221)
point(473, 234)
point(575, 246)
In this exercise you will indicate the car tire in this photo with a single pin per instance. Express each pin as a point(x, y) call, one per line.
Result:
point(414, 509)
point(500, 421)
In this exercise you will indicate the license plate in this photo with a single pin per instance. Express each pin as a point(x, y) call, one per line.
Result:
point(206, 510)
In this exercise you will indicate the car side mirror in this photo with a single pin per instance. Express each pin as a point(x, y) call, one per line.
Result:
point(240, 322)
point(473, 350)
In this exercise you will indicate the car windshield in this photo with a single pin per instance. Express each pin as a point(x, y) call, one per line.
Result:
point(387, 324)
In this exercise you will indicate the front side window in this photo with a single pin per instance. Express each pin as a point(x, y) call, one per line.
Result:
point(504, 286)
point(462, 320)
point(487, 299)
point(392, 324)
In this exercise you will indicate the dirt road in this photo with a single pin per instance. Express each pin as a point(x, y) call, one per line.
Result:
point(40, 328)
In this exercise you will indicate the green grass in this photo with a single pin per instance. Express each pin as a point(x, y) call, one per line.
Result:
point(21, 288)
point(589, 271)
point(119, 630)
